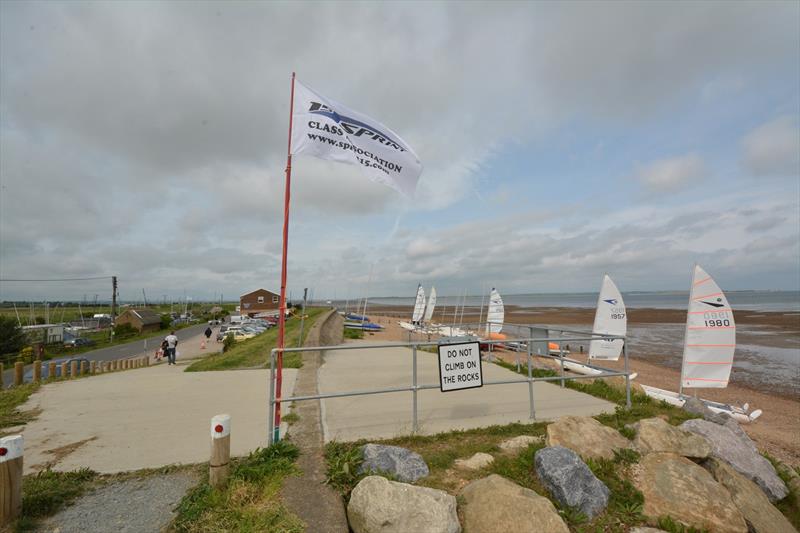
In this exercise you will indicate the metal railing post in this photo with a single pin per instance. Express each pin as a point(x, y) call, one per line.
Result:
point(270, 411)
point(414, 392)
point(627, 375)
point(561, 356)
point(530, 377)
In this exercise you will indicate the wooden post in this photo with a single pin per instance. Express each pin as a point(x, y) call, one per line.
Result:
point(147, 361)
point(19, 372)
point(64, 367)
point(73, 369)
point(51, 370)
point(37, 371)
point(126, 364)
point(11, 448)
point(84, 368)
point(2, 376)
point(218, 466)
point(94, 367)
point(113, 365)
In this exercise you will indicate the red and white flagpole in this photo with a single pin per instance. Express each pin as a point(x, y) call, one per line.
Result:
point(282, 318)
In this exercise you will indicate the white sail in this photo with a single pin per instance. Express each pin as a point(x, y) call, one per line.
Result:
point(710, 335)
point(419, 305)
point(496, 313)
point(609, 319)
point(431, 305)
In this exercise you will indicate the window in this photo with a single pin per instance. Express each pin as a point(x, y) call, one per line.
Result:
point(275, 299)
point(261, 299)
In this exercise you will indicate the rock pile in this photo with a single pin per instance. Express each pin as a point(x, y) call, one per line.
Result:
point(570, 481)
point(496, 504)
point(586, 436)
point(378, 505)
point(403, 464)
point(656, 435)
point(732, 445)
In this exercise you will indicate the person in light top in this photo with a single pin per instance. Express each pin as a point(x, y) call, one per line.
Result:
point(172, 345)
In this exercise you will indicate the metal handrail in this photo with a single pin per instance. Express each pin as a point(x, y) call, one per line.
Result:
point(274, 433)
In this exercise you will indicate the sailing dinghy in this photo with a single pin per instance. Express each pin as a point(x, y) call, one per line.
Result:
point(419, 311)
point(495, 316)
point(610, 318)
point(709, 344)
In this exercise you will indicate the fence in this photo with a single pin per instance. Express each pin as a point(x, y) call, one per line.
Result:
point(524, 343)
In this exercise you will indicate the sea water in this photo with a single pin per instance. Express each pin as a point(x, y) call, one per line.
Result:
point(785, 301)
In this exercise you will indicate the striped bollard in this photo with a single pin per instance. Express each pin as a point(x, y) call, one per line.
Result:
point(11, 449)
point(219, 465)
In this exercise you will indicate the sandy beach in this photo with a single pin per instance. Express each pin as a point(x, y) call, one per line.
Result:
point(777, 431)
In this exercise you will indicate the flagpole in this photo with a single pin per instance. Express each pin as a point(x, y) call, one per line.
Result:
point(282, 317)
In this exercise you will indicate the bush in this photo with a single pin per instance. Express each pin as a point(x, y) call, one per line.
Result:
point(166, 321)
point(227, 343)
point(124, 330)
point(12, 339)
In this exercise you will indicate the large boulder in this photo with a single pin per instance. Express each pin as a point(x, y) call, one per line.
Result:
point(570, 481)
point(476, 462)
point(517, 444)
point(731, 444)
point(751, 501)
point(496, 504)
point(586, 436)
point(675, 486)
point(697, 407)
point(403, 464)
point(656, 435)
point(378, 505)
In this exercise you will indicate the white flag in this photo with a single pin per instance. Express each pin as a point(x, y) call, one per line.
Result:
point(329, 130)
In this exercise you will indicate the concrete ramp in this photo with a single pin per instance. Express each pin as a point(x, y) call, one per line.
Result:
point(390, 415)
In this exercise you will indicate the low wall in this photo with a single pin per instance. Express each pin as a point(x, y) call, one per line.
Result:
point(328, 330)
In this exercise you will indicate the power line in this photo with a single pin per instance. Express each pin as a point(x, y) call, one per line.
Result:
point(61, 279)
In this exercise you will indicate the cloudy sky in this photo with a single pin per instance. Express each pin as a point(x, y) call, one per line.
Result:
point(560, 141)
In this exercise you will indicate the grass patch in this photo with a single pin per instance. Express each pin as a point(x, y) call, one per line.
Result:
point(353, 333)
point(291, 418)
point(46, 492)
point(788, 506)
point(10, 400)
point(254, 352)
point(250, 502)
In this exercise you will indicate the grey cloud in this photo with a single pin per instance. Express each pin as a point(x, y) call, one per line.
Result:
point(773, 149)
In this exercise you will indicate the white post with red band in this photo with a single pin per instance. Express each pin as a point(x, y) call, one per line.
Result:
point(219, 465)
point(11, 452)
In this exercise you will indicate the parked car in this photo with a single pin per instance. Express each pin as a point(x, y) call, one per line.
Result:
point(213, 322)
point(77, 342)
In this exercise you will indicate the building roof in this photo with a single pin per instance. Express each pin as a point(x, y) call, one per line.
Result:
point(257, 291)
point(146, 316)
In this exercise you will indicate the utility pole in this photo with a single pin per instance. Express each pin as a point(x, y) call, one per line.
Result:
point(113, 298)
point(145, 297)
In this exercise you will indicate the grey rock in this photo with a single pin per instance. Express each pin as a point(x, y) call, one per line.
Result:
point(570, 481)
point(378, 505)
point(403, 464)
point(697, 407)
point(731, 444)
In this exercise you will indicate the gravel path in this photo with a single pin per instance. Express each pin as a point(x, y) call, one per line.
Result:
point(131, 506)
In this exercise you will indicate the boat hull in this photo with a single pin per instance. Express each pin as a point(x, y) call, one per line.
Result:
point(678, 400)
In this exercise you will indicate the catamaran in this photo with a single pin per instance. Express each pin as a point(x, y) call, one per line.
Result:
point(709, 344)
point(418, 313)
point(610, 318)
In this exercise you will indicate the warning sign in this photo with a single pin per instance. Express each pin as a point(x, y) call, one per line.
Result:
point(460, 366)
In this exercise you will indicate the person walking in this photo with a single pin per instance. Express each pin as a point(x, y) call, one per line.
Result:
point(172, 345)
point(208, 332)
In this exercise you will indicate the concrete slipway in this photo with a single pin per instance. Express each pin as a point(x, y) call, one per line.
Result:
point(388, 415)
point(145, 418)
